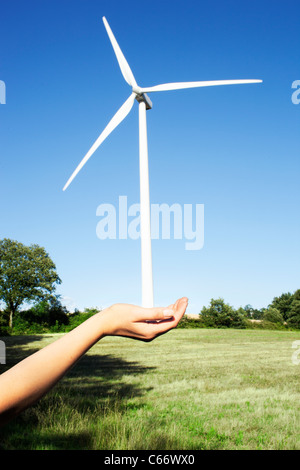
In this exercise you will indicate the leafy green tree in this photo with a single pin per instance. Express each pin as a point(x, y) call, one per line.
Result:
point(294, 312)
point(248, 311)
point(283, 303)
point(273, 315)
point(219, 314)
point(46, 312)
point(242, 312)
point(27, 274)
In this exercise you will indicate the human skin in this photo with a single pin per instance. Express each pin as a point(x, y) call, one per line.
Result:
point(29, 380)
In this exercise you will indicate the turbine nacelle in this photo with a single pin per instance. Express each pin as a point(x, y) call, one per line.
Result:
point(143, 98)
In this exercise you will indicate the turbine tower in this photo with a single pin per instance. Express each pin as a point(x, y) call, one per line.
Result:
point(140, 94)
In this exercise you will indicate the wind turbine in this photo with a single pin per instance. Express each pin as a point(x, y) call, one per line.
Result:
point(145, 103)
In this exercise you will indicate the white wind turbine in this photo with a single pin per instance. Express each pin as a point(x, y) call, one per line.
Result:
point(139, 94)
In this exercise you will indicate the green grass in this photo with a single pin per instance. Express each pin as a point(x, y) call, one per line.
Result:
point(189, 389)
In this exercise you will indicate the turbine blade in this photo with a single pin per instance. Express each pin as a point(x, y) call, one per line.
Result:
point(181, 85)
point(125, 69)
point(113, 123)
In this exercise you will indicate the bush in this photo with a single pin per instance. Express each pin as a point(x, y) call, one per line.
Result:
point(186, 322)
point(40, 319)
point(221, 315)
point(44, 314)
point(76, 318)
point(264, 325)
point(273, 315)
point(43, 317)
point(5, 331)
point(4, 328)
point(24, 327)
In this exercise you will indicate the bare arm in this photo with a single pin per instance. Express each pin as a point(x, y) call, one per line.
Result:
point(32, 378)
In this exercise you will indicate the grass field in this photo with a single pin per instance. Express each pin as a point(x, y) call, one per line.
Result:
point(189, 389)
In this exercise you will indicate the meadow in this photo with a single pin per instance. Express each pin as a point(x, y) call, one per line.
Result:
point(190, 389)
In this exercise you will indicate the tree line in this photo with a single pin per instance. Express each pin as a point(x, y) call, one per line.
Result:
point(29, 276)
point(282, 312)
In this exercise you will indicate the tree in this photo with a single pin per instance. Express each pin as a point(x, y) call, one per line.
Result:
point(294, 313)
point(273, 315)
point(283, 303)
point(27, 274)
point(220, 314)
point(47, 312)
point(248, 311)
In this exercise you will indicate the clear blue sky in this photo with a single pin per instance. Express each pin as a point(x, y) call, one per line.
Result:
point(234, 149)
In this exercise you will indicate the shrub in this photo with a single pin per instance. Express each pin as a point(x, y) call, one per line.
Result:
point(76, 318)
point(273, 315)
point(264, 325)
point(186, 322)
point(45, 313)
point(4, 319)
point(221, 315)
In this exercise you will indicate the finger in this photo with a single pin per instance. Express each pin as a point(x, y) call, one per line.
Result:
point(163, 326)
point(181, 303)
point(155, 314)
point(178, 309)
point(170, 315)
point(161, 313)
point(181, 306)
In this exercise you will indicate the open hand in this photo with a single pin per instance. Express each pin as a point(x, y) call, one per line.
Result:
point(141, 323)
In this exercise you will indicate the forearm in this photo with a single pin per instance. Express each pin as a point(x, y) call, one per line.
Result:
point(32, 378)
point(29, 380)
